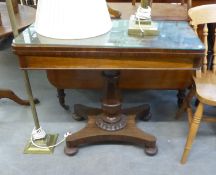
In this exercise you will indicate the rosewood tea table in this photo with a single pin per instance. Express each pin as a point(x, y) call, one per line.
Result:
point(176, 48)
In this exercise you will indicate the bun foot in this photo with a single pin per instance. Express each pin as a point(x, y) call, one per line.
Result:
point(70, 151)
point(151, 151)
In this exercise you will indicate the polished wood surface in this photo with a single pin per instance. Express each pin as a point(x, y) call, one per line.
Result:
point(157, 80)
point(159, 10)
point(111, 122)
point(107, 51)
point(66, 79)
point(151, 61)
point(111, 53)
point(91, 134)
point(202, 2)
point(24, 17)
point(204, 80)
point(165, 9)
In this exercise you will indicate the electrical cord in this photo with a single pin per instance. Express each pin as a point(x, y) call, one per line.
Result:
point(143, 14)
point(38, 133)
point(41, 134)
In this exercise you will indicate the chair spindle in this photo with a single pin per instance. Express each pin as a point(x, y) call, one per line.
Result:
point(205, 34)
point(199, 71)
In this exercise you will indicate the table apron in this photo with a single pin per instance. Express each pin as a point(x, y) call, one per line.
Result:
point(39, 62)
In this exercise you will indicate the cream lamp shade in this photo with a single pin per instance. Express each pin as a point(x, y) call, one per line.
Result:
point(72, 19)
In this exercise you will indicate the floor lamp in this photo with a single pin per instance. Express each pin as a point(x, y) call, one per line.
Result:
point(62, 19)
point(46, 139)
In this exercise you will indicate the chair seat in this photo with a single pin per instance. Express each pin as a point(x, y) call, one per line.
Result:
point(206, 88)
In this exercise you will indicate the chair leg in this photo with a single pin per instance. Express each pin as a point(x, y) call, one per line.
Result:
point(192, 132)
point(190, 115)
point(186, 103)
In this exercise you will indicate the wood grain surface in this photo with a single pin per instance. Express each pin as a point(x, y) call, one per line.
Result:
point(24, 17)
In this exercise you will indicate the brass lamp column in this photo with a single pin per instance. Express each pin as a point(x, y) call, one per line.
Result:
point(50, 139)
point(144, 3)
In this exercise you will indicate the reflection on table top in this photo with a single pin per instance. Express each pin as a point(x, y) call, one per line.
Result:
point(174, 35)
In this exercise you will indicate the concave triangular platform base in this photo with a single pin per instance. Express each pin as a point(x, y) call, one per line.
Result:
point(93, 134)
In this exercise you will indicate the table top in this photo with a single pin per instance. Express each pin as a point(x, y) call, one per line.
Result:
point(176, 48)
point(25, 17)
point(174, 36)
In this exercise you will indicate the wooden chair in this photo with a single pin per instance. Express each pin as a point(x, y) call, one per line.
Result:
point(204, 88)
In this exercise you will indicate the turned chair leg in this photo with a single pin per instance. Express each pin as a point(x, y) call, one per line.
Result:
point(190, 115)
point(192, 132)
point(186, 103)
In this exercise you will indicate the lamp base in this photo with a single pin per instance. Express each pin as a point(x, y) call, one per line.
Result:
point(143, 22)
point(149, 28)
point(49, 140)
